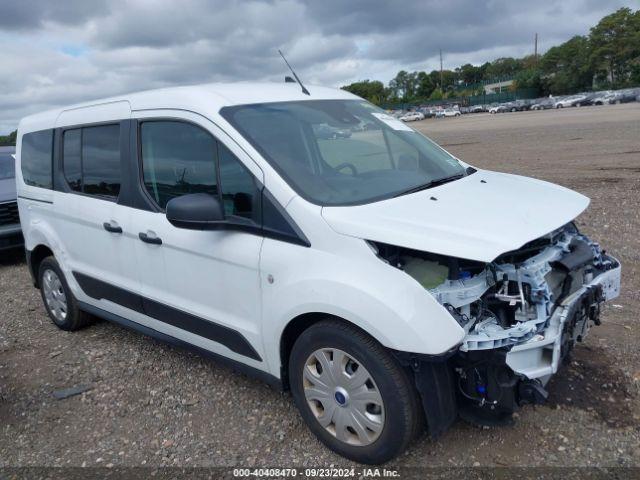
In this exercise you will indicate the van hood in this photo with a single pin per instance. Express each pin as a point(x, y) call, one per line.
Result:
point(478, 217)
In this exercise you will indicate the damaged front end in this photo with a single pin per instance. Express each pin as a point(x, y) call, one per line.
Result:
point(522, 314)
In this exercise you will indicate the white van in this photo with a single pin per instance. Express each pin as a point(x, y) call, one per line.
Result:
point(387, 284)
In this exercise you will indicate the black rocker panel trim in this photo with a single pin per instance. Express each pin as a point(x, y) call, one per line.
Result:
point(226, 336)
point(101, 290)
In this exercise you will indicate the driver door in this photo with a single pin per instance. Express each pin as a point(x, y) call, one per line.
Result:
point(199, 286)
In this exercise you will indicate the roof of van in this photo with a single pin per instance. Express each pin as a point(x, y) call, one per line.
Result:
point(206, 99)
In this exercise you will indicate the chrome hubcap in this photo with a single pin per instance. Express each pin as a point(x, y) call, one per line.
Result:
point(54, 295)
point(343, 396)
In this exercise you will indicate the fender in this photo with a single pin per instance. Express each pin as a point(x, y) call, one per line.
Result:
point(381, 300)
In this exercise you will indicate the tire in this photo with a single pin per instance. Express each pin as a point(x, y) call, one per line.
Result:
point(58, 300)
point(398, 415)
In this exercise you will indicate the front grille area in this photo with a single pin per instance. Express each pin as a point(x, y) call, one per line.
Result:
point(9, 213)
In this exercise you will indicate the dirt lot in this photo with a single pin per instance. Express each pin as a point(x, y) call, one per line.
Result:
point(150, 404)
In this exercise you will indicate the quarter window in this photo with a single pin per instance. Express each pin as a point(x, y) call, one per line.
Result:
point(36, 159)
point(91, 160)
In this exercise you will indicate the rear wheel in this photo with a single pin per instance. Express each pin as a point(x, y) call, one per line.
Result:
point(59, 302)
point(352, 393)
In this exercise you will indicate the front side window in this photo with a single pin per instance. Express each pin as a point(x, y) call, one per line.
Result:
point(7, 166)
point(240, 194)
point(342, 152)
point(36, 159)
point(91, 160)
point(179, 158)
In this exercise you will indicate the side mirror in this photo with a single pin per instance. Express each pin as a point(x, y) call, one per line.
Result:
point(195, 211)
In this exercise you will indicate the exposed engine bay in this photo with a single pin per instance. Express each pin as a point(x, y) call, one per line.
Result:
point(522, 314)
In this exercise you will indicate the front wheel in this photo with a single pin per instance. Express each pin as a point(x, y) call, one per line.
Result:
point(352, 393)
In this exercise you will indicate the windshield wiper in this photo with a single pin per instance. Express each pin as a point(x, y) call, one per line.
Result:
point(431, 184)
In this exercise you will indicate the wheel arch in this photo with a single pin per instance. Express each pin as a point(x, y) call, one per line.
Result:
point(35, 258)
point(294, 328)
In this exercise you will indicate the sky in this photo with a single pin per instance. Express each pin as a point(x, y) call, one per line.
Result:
point(56, 53)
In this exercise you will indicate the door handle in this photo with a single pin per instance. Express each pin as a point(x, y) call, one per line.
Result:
point(147, 239)
point(112, 228)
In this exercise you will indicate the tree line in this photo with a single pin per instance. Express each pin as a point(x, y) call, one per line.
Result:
point(8, 140)
point(607, 58)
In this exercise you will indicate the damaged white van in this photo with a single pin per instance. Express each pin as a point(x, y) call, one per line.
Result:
point(316, 242)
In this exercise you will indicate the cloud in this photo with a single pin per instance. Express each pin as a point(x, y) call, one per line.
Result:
point(31, 14)
point(57, 53)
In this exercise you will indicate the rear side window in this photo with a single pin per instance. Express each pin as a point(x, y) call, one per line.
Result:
point(91, 160)
point(101, 160)
point(36, 159)
point(72, 162)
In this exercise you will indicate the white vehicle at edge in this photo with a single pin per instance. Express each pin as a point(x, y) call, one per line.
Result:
point(412, 117)
point(376, 276)
point(451, 112)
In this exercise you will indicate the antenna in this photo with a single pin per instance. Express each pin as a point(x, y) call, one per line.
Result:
point(304, 90)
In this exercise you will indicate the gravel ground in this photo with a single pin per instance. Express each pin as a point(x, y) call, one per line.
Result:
point(150, 404)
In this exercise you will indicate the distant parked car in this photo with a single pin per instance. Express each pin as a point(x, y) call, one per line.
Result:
point(603, 98)
point(623, 96)
point(412, 117)
point(563, 102)
point(428, 112)
point(10, 232)
point(451, 112)
point(586, 100)
point(477, 109)
point(570, 101)
point(518, 106)
point(498, 109)
point(542, 104)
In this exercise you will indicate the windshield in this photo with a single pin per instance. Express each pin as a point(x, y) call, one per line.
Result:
point(7, 166)
point(342, 152)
